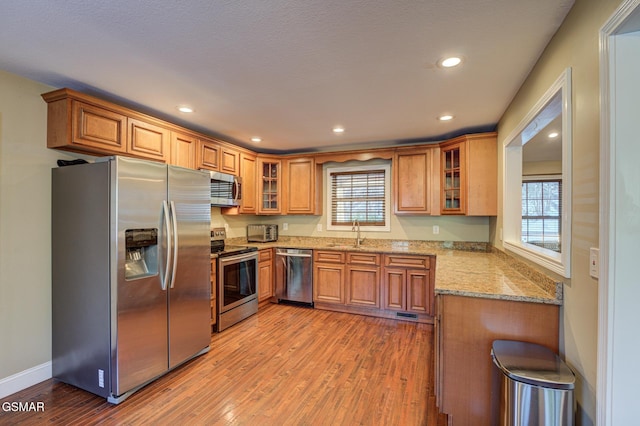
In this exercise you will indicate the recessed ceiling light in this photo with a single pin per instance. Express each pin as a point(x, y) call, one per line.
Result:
point(553, 135)
point(445, 117)
point(450, 62)
point(338, 129)
point(256, 139)
point(184, 108)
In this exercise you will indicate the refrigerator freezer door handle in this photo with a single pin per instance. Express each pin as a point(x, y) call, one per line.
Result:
point(174, 219)
point(167, 230)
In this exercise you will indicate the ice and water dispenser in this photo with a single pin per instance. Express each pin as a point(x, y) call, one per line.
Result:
point(141, 253)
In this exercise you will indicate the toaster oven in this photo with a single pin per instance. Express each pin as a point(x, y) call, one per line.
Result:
point(262, 233)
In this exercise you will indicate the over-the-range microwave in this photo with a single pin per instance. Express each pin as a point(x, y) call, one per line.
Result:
point(226, 189)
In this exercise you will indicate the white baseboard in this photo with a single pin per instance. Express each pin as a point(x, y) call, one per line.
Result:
point(24, 379)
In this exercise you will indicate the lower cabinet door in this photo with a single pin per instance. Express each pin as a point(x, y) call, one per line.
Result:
point(363, 287)
point(328, 283)
point(395, 289)
point(418, 296)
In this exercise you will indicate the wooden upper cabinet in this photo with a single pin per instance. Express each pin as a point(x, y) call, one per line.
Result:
point(248, 165)
point(208, 155)
point(183, 150)
point(414, 181)
point(303, 186)
point(77, 124)
point(98, 128)
point(148, 140)
point(230, 161)
point(469, 172)
point(269, 185)
point(454, 190)
point(82, 123)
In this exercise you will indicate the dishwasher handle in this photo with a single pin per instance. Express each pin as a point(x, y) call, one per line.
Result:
point(293, 255)
point(293, 252)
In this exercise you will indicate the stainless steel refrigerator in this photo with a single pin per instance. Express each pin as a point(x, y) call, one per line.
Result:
point(130, 272)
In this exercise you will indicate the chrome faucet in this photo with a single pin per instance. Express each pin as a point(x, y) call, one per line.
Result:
point(356, 228)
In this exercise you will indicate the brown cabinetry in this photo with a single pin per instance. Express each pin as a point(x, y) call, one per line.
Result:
point(414, 181)
point(303, 186)
point(81, 123)
point(183, 150)
point(363, 280)
point(230, 161)
point(148, 140)
point(92, 128)
point(265, 274)
point(248, 204)
point(469, 175)
point(467, 383)
point(358, 282)
point(458, 176)
point(328, 276)
point(208, 155)
point(453, 202)
point(269, 185)
point(217, 156)
point(408, 284)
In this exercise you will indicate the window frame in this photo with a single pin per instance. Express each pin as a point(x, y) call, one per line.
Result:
point(387, 196)
point(559, 263)
point(544, 179)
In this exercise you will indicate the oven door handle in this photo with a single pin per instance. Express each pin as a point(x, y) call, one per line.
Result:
point(238, 257)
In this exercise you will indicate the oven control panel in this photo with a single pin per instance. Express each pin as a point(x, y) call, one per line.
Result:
point(218, 234)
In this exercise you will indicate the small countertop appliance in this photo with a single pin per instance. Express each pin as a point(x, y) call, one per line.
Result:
point(262, 233)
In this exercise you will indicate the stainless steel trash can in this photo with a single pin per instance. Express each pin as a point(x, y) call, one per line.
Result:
point(537, 387)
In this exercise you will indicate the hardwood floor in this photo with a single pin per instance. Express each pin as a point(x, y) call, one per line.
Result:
point(284, 366)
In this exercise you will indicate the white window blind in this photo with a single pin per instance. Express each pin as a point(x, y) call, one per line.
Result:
point(358, 195)
point(541, 213)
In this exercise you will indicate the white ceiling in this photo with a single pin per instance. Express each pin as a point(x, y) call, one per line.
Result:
point(289, 70)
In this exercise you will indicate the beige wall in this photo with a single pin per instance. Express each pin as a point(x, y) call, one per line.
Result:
point(541, 168)
point(412, 228)
point(575, 45)
point(25, 226)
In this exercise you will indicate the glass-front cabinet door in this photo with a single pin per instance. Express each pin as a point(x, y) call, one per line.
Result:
point(270, 190)
point(453, 201)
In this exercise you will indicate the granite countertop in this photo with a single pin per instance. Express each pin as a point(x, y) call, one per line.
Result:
point(463, 269)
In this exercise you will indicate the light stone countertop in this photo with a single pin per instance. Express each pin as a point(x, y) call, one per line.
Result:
point(463, 269)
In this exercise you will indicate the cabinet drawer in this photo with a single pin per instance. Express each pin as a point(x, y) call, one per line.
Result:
point(405, 261)
point(363, 258)
point(329, 256)
point(264, 255)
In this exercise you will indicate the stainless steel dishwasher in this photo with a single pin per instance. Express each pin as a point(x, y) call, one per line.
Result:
point(294, 276)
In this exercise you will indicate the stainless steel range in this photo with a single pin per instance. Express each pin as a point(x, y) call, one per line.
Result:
point(237, 280)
